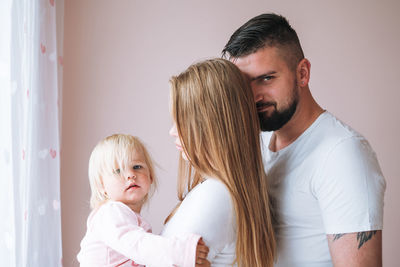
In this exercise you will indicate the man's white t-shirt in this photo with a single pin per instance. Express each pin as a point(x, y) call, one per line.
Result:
point(328, 181)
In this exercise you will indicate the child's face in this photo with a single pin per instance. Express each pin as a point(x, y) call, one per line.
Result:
point(131, 184)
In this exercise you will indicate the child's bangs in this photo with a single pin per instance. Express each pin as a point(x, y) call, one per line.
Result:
point(118, 156)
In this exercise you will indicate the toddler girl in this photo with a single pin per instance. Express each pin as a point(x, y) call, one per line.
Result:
point(121, 175)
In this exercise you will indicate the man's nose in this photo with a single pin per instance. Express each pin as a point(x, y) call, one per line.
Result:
point(257, 95)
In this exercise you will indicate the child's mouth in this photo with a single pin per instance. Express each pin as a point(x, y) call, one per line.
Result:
point(132, 186)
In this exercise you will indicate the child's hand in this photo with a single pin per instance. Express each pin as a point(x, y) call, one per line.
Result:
point(201, 254)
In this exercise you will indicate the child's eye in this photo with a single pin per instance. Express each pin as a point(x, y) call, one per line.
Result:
point(136, 167)
point(117, 171)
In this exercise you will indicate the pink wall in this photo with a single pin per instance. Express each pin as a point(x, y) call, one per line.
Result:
point(119, 55)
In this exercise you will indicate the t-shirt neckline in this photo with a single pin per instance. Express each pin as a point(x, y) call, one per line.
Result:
point(299, 138)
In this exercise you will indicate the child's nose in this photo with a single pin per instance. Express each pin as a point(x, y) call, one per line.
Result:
point(130, 174)
point(131, 177)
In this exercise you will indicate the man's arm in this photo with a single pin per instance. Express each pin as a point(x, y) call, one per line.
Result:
point(363, 249)
point(351, 200)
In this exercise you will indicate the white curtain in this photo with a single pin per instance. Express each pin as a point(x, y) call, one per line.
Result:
point(30, 224)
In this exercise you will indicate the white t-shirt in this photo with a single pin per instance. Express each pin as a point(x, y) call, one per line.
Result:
point(207, 211)
point(328, 181)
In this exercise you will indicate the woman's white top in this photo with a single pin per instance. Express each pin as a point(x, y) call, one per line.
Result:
point(207, 210)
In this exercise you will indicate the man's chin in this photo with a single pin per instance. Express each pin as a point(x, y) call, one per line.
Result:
point(270, 129)
point(271, 123)
point(276, 120)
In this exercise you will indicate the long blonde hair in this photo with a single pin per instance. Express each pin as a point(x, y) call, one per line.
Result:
point(109, 154)
point(217, 123)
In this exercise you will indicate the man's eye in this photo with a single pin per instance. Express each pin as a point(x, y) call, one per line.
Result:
point(267, 78)
point(136, 167)
point(117, 171)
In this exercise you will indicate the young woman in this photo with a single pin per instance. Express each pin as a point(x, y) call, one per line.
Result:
point(221, 184)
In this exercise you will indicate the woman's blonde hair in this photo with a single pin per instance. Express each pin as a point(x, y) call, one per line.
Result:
point(216, 119)
point(112, 153)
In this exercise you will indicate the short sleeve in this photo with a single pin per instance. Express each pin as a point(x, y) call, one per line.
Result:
point(117, 226)
point(350, 188)
point(208, 212)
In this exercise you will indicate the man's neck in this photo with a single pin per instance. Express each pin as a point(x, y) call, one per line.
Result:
point(305, 115)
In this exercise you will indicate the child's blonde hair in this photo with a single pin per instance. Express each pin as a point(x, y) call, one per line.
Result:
point(112, 153)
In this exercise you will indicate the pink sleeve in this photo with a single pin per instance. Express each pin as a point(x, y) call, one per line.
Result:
point(117, 226)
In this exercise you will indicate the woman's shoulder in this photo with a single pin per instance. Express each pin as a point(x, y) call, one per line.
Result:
point(212, 189)
point(210, 198)
point(207, 210)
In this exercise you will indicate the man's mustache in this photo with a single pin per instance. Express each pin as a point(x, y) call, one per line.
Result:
point(260, 105)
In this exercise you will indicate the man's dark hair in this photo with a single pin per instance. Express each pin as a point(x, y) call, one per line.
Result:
point(265, 30)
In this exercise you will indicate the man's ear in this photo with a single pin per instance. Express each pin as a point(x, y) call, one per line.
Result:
point(303, 72)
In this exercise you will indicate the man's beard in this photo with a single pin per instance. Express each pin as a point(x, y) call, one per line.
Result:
point(278, 118)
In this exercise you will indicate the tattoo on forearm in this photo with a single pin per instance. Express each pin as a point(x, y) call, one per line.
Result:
point(363, 237)
point(337, 236)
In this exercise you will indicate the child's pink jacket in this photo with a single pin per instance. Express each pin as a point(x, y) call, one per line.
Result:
point(117, 236)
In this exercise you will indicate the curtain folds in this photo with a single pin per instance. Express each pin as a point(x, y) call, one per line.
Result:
point(30, 157)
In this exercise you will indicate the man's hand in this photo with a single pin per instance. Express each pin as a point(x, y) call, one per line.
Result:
point(363, 249)
point(201, 254)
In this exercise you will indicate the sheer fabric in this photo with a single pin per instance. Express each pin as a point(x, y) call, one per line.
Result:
point(30, 228)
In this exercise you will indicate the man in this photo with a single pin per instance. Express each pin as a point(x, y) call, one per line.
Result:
point(325, 184)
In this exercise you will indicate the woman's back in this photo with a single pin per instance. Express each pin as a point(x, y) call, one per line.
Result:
point(207, 210)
